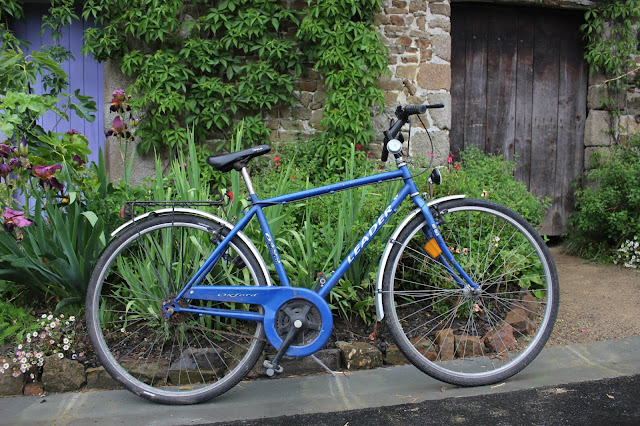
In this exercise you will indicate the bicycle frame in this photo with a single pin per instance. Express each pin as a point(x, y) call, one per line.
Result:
point(258, 295)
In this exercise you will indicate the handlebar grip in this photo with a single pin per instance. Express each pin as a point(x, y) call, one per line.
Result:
point(415, 109)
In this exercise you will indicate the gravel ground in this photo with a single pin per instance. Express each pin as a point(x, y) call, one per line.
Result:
point(597, 302)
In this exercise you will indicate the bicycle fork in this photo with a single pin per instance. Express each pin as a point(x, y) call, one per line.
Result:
point(436, 247)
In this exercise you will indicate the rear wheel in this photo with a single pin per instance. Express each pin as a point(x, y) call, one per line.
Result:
point(186, 358)
point(454, 334)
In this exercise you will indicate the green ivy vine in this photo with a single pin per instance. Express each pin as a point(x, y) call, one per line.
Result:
point(204, 64)
point(340, 37)
point(610, 30)
point(22, 69)
point(198, 63)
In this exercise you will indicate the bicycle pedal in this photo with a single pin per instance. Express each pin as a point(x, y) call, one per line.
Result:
point(270, 369)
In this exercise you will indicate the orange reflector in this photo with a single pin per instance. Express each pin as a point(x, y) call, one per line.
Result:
point(433, 248)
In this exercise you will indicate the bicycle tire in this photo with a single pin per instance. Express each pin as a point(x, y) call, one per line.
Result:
point(189, 358)
point(453, 335)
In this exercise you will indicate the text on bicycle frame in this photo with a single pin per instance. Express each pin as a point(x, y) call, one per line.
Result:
point(370, 234)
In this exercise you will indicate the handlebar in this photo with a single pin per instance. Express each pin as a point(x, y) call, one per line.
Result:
point(403, 115)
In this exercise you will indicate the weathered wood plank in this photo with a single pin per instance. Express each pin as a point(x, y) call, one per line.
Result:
point(476, 81)
point(524, 97)
point(572, 90)
point(546, 55)
point(458, 69)
point(501, 83)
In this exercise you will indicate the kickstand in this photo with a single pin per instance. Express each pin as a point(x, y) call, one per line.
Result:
point(322, 364)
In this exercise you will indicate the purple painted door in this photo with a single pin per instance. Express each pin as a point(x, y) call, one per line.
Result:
point(85, 73)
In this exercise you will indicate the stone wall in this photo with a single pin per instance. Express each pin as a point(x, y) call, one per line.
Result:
point(417, 34)
point(603, 130)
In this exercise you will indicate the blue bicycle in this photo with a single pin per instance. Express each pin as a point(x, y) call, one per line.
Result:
point(181, 303)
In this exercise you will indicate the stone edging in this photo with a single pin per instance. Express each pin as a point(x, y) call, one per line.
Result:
point(65, 375)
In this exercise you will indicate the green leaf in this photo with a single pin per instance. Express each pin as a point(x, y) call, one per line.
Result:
point(91, 217)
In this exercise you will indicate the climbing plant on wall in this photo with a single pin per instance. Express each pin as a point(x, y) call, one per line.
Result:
point(198, 63)
point(204, 63)
point(610, 30)
point(339, 36)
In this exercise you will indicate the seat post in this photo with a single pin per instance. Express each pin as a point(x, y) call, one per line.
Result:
point(247, 180)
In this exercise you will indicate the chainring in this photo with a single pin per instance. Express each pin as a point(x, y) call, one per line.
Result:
point(312, 319)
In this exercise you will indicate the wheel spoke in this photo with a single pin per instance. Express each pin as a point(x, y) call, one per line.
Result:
point(182, 358)
point(458, 335)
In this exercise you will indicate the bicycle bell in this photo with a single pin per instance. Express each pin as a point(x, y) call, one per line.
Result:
point(394, 146)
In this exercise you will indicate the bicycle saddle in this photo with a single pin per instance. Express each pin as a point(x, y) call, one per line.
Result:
point(226, 162)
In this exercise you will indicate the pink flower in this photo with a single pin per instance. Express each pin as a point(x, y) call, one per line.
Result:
point(457, 166)
point(5, 169)
point(46, 176)
point(118, 128)
point(230, 195)
point(78, 160)
point(276, 160)
point(450, 158)
point(5, 150)
point(118, 98)
point(14, 219)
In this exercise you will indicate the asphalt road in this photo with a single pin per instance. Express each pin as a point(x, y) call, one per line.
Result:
point(599, 402)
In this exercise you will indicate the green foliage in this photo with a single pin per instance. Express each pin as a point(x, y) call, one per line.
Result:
point(316, 235)
point(608, 206)
point(197, 64)
point(340, 38)
point(488, 176)
point(204, 65)
point(21, 108)
point(611, 50)
point(610, 36)
point(15, 322)
point(49, 241)
point(55, 256)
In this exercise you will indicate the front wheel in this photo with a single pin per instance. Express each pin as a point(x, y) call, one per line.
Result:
point(185, 358)
point(454, 334)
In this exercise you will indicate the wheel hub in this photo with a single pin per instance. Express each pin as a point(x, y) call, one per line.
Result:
point(471, 293)
point(168, 310)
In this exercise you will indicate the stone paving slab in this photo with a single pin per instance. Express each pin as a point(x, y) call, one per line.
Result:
point(323, 393)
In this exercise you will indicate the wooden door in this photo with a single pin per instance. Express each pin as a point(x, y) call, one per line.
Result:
point(85, 73)
point(519, 86)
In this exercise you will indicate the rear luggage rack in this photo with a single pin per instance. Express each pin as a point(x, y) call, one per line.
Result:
point(133, 208)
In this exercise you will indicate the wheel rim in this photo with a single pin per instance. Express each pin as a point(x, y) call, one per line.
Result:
point(458, 335)
point(186, 355)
